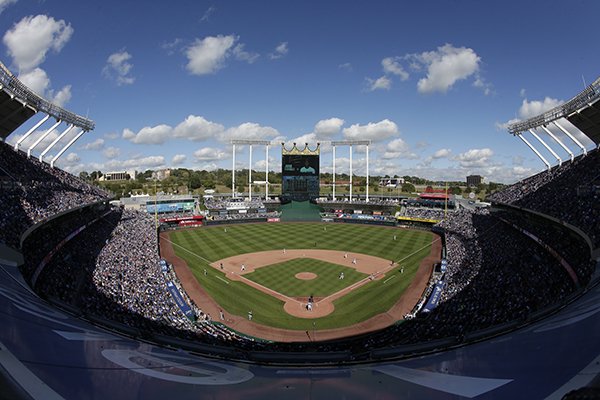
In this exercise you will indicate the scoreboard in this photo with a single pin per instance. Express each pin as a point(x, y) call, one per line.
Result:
point(300, 174)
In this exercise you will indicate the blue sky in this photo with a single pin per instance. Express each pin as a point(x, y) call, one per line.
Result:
point(431, 83)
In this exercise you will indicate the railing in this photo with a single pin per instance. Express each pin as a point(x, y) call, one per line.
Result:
point(590, 94)
point(18, 89)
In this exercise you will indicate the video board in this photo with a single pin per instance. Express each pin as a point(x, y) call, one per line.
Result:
point(300, 176)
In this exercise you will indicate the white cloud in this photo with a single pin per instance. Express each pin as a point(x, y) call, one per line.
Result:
point(372, 131)
point(445, 66)
point(62, 97)
point(178, 159)
point(37, 80)
point(210, 154)
point(441, 153)
point(139, 164)
point(346, 67)
point(530, 109)
point(6, 3)
point(475, 158)
point(149, 135)
point(329, 127)
point(242, 55)
point(208, 13)
point(95, 145)
point(250, 131)
point(111, 135)
point(118, 68)
point(111, 152)
point(536, 107)
point(197, 128)
point(170, 47)
point(522, 93)
point(30, 39)
point(71, 159)
point(382, 83)
point(392, 66)
point(207, 56)
point(280, 51)
point(398, 148)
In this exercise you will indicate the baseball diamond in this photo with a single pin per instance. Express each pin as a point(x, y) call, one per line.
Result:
point(253, 267)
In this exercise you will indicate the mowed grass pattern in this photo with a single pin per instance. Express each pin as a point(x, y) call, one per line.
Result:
point(199, 247)
point(281, 277)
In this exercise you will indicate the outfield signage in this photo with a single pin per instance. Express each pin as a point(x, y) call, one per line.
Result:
point(178, 298)
point(273, 220)
point(434, 299)
point(415, 219)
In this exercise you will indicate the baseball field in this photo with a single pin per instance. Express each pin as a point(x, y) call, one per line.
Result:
point(351, 272)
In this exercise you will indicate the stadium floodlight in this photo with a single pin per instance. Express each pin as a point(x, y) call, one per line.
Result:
point(588, 96)
point(12, 85)
point(249, 143)
point(351, 143)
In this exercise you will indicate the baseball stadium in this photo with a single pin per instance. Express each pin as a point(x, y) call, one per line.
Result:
point(302, 292)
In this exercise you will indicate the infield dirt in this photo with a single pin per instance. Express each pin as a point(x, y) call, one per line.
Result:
point(375, 267)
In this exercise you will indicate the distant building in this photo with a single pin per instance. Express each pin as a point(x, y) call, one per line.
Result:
point(161, 174)
point(118, 176)
point(391, 182)
point(474, 180)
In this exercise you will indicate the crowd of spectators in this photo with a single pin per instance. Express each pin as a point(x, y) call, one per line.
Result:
point(244, 216)
point(225, 203)
point(32, 192)
point(376, 201)
point(111, 270)
point(495, 274)
point(566, 192)
point(421, 212)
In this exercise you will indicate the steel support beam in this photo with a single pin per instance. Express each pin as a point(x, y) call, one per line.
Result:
point(29, 132)
point(557, 140)
point(573, 138)
point(520, 136)
point(42, 137)
point(62, 135)
point(60, 153)
point(535, 135)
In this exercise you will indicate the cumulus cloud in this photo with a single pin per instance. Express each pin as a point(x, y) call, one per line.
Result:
point(530, 109)
point(208, 55)
point(398, 148)
point(28, 43)
point(118, 68)
point(445, 66)
point(148, 135)
point(250, 131)
point(243, 55)
point(139, 164)
point(382, 83)
point(441, 153)
point(197, 128)
point(210, 154)
point(30, 39)
point(280, 51)
point(475, 158)
point(6, 3)
point(375, 131)
point(328, 127)
point(95, 145)
point(536, 107)
point(178, 159)
point(391, 65)
point(111, 152)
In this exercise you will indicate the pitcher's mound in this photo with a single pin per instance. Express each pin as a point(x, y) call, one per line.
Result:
point(305, 276)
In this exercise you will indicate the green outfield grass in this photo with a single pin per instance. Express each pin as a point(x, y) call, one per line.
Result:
point(281, 277)
point(201, 246)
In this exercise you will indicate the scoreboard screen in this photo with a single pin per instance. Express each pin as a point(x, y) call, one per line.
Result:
point(300, 165)
point(300, 176)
